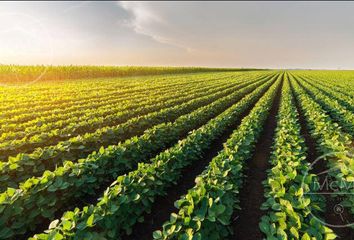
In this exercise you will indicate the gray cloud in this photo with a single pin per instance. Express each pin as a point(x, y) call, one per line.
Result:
point(145, 19)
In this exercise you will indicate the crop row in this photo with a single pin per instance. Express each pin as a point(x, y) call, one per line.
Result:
point(106, 108)
point(96, 100)
point(70, 95)
point(339, 79)
point(25, 166)
point(38, 199)
point(130, 196)
point(206, 210)
point(334, 145)
point(79, 97)
point(339, 113)
point(330, 87)
point(343, 99)
point(120, 113)
point(47, 92)
point(289, 203)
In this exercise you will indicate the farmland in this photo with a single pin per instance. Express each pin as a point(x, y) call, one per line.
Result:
point(176, 153)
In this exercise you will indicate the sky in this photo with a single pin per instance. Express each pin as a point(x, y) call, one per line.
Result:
point(214, 34)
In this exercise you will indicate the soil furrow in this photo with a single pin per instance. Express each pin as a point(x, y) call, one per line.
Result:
point(247, 219)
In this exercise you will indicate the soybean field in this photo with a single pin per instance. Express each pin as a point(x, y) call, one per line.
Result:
point(187, 155)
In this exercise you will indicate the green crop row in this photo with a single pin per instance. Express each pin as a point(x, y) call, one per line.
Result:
point(25, 166)
point(125, 201)
point(326, 88)
point(95, 98)
point(289, 203)
point(205, 211)
point(39, 101)
point(38, 199)
point(51, 133)
point(46, 93)
point(337, 80)
point(45, 99)
point(334, 145)
point(339, 113)
point(83, 110)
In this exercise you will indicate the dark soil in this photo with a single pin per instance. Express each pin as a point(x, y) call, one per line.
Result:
point(164, 205)
point(246, 220)
point(329, 215)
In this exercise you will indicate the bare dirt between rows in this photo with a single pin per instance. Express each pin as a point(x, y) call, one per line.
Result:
point(328, 215)
point(164, 205)
point(246, 220)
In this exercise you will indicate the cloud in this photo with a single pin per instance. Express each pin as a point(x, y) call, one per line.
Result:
point(74, 7)
point(147, 21)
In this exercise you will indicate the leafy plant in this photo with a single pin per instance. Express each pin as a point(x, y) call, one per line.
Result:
point(205, 211)
point(124, 202)
point(288, 205)
point(42, 197)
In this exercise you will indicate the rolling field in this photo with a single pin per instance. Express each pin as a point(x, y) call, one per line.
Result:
point(192, 154)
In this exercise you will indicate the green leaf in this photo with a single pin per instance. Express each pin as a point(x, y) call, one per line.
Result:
point(157, 234)
point(52, 188)
point(197, 236)
point(264, 227)
point(13, 166)
point(200, 213)
point(89, 221)
point(294, 232)
point(66, 225)
point(220, 209)
point(55, 236)
point(305, 237)
point(330, 236)
point(350, 179)
point(10, 191)
point(101, 150)
point(5, 233)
